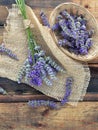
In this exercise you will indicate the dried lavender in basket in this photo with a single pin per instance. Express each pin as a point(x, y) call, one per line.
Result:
point(72, 28)
point(74, 33)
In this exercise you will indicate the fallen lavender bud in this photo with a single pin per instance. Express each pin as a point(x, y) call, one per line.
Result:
point(2, 91)
point(8, 52)
point(69, 83)
point(44, 19)
point(38, 103)
point(64, 42)
point(55, 26)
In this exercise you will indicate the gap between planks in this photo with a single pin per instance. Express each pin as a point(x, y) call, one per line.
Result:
point(27, 97)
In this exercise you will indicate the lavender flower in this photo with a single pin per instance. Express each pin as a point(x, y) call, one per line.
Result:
point(54, 65)
point(22, 72)
point(55, 26)
point(70, 19)
point(69, 82)
point(89, 43)
point(64, 28)
point(38, 103)
point(64, 42)
point(44, 19)
point(7, 51)
point(50, 72)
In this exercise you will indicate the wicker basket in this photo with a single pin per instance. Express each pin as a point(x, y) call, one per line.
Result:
point(91, 24)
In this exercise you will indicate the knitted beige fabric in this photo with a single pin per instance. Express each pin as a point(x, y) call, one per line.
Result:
point(15, 39)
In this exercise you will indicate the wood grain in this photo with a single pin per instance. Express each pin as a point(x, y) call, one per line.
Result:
point(19, 116)
point(26, 97)
point(37, 5)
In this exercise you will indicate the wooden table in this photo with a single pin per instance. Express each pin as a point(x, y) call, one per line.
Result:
point(15, 114)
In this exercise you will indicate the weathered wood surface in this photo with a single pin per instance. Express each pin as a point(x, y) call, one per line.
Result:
point(27, 96)
point(19, 116)
point(37, 5)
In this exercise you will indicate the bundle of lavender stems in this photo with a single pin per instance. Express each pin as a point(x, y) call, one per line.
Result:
point(72, 32)
point(39, 68)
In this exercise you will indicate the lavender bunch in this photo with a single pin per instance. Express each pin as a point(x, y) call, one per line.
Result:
point(38, 68)
point(73, 30)
point(7, 51)
point(38, 103)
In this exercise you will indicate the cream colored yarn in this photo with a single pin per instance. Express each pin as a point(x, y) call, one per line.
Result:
point(15, 39)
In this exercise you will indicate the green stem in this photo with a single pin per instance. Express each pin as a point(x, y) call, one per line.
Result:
point(31, 41)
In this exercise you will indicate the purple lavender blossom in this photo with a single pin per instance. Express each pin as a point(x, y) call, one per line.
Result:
point(44, 19)
point(30, 58)
point(89, 43)
point(35, 80)
point(69, 82)
point(55, 27)
point(65, 28)
point(38, 103)
point(64, 42)
point(70, 19)
point(8, 52)
point(50, 71)
point(54, 65)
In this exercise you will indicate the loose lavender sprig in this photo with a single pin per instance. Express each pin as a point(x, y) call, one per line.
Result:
point(7, 51)
point(44, 19)
point(38, 103)
point(69, 82)
point(2, 91)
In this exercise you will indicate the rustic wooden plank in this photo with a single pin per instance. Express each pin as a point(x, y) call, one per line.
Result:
point(18, 116)
point(48, 6)
point(26, 97)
